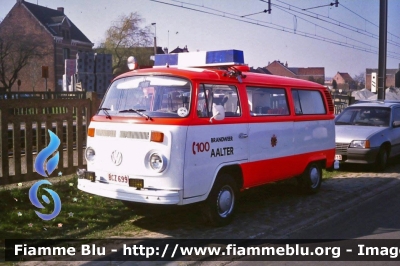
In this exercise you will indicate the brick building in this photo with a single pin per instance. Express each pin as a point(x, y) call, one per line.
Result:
point(59, 36)
point(316, 74)
point(344, 81)
point(390, 77)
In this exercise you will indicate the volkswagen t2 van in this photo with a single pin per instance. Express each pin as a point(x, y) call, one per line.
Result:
point(200, 127)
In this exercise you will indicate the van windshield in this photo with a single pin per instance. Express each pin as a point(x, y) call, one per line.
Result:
point(148, 96)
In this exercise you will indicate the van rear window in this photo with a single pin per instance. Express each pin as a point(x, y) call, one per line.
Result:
point(308, 102)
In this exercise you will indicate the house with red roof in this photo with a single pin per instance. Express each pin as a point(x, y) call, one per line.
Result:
point(316, 74)
point(344, 81)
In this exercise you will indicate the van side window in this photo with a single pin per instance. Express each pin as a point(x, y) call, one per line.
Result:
point(308, 102)
point(267, 101)
point(224, 95)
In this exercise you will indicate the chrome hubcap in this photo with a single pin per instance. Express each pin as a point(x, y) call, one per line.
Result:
point(225, 201)
point(314, 177)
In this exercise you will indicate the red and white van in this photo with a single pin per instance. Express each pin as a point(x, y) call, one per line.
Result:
point(199, 127)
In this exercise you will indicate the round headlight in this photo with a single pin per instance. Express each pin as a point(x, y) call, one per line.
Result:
point(90, 154)
point(157, 162)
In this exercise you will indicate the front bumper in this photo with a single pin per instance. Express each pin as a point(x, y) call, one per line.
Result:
point(359, 156)
point(154, 196)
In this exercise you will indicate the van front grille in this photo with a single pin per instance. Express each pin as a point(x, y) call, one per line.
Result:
point(134, 135)
point(106, 133)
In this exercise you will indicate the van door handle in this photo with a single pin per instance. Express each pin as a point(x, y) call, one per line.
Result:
point(242, 136)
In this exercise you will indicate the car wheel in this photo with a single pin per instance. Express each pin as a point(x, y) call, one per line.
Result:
point(382, 159)
point(311, 179)
point(220, 206)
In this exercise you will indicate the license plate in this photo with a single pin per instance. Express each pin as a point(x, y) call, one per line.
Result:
point(338, 157)
point(120, 179)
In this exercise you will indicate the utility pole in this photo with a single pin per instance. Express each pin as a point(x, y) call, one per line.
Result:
point(155, 37)
point(264, 11)
point(383, 7)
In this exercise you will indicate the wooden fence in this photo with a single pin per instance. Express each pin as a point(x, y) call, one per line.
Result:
point(23, 130)
point(42, 95)
point(341, 101)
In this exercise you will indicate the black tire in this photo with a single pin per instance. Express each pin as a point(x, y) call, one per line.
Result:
point(382, 159)
point(311, 179)
point(220, 206)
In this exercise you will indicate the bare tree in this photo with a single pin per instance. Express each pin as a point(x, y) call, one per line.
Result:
point(360, 80)
point(334, 84)
point(16, 51)
point(124, 34)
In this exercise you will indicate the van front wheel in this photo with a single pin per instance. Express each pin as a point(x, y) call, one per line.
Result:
point(310, 180)
point(219, 208)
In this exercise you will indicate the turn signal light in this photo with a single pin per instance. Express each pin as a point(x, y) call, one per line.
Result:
point(156, 136)
point(367, 144)
point(90, 132)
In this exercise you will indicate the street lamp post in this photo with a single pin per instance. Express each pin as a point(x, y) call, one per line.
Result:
point(155, 37)
point(168, 39)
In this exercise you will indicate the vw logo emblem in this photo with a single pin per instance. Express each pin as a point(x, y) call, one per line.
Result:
point(116, 157)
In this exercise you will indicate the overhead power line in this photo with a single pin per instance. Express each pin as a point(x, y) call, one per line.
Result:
point(393, 35)
point(338, 23)
point(273, 26)
point(337, 33)
point(331, 4)
point(264, 11)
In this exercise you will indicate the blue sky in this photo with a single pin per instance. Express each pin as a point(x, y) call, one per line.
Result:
point(280, 35)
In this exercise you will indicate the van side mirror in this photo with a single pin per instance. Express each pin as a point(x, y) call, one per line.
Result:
point(218, 112)
point(396, 124)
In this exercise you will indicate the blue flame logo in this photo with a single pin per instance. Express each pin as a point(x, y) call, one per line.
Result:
point(40, 165)
point(35, 201)
point(45, 153)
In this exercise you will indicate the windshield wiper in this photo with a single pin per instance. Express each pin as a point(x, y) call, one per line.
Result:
point(137, 111)
point(105, 111)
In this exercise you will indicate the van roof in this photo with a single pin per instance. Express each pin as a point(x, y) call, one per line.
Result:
point(214, 73)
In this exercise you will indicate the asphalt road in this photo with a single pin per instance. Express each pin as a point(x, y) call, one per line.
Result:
point(378, 218)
